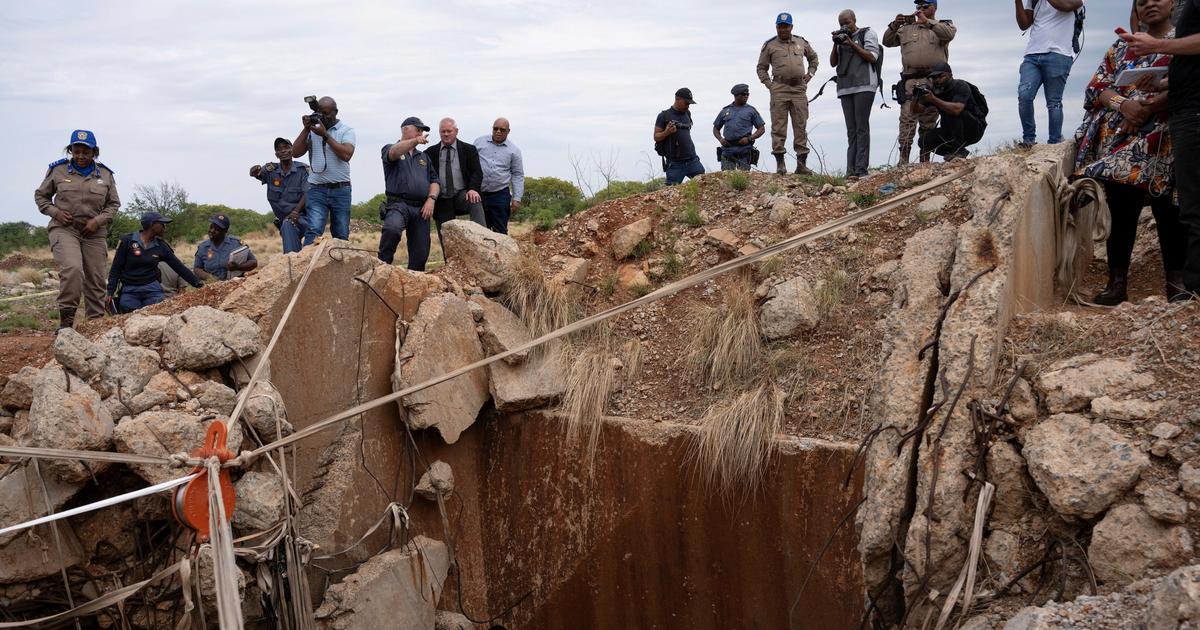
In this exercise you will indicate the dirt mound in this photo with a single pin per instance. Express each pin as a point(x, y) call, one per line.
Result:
point(17, 260)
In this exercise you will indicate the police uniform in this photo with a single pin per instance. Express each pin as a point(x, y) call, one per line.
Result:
point(135, 270)
point(81, 259)
point(736, 122)
point(406, 181)
point(285, 189)
point(788, 81)
point(921, 46)
point(214, 259)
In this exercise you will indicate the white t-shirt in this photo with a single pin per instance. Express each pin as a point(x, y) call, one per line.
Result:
point(1052, 30)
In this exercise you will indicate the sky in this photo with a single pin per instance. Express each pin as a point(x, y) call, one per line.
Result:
point(195, 93)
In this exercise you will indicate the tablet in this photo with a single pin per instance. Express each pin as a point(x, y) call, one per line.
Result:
point(1130, 76)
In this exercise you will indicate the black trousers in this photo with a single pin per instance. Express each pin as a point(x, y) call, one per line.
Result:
point(856, 108)
point(448, 208)
point(1125, 205)
point(402, 219)
point(953, 134)
point(1185, 140)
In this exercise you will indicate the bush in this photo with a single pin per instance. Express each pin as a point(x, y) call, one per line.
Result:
point(737, 180)
point(21, 235)
point(368, 211)
point(546, 200)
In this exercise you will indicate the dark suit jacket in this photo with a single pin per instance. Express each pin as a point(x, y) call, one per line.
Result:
point(468, 162)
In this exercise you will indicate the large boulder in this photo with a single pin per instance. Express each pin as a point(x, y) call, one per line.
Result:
point(21, 500)
point(791, 308)
point(626, 238)
point(259, 501)
point(396, 589)
point(145, 330)
point(203, 337)
point(538, 382)
point(440, 339)
point(18, 391)
point(1072, 384)
point(67, 413)
point(1175, 601)
point(501, 330)
point(263, 408)
point(78, 354)
point(1128, 542)
point(166, 433)
point(1081, 467)
point(487, 257)
point(129, 368)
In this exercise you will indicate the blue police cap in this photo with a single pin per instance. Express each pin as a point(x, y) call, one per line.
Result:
point(84, 137)
point(413, 120)
point(933, 2)
point(220, 221)
point(740, 88)
point(149, 218)
point(784, 18)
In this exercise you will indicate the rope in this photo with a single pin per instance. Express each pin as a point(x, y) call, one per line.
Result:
point(22, 452)
point(100, 603)
point(27, 296)
point(91, 507)
point(827, 229)
point(225, 570)
point(1082, 218)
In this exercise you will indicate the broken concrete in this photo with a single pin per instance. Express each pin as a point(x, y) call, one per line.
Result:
point(260, 502)
point(166, 433)
point(145, 330)
point(501, 331)
point(488, 257)
point(78, 354)
point(22, 499)
point(437, 481)
point(539, 382)
point(396, 589)
point(791, 308)
point(625, 239)
point(1072, 384)
point(203, 337)
point(67, 413)
point(18, 391)
point(1128, 542)
point(1055, 449)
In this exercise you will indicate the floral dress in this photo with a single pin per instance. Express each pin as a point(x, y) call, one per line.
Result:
point(1104, 152)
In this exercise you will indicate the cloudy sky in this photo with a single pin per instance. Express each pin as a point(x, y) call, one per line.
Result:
point(195, 92)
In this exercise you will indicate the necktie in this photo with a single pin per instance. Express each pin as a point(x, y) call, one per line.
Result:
point(446, 151)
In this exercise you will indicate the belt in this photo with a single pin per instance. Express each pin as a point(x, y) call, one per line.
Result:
point(333, 185)
point(495, 192)
point(795, 82)
point(409, 199)
point(916, 73)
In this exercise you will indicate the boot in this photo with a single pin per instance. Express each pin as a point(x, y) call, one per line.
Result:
point(925, 156)
point(1114, 293)
point(801, 166)
point(905, 154)
point(1176, 290)
point(66, 318)
point(780, 167)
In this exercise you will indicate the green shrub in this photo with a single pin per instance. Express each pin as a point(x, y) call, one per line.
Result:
point(368, 211)
point(737, 180)
point(643, 248)
point(864, 200)
point(690, 215)
point(21, 235)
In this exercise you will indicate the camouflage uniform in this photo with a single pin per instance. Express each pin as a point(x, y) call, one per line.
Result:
point(788, 86)
point(921, 46)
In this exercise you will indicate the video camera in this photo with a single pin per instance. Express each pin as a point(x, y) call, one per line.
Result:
point(315, 118)
point(920, 90)
point(842, 35)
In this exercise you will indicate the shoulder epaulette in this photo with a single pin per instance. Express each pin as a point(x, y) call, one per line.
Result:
point(58, 163)
point(946, 21)
point(270, 167)
point(769, 41)
point(105, 167)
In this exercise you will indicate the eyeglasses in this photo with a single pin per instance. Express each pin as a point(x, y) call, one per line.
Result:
point(499, 128)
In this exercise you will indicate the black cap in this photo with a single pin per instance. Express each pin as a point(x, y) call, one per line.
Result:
point(939, 68)
point(740, 88)
point(685, 94)
point(416, 122)
point(150, 218)
point(220, 221)
point(279, 141)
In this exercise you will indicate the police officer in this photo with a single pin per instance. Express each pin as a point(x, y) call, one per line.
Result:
point(736, 128)
point(287, 192)
point(222, 256)
point(785, 55)
point(135, 266)
point(923, 41)
point(80, 197)
point(411, 182)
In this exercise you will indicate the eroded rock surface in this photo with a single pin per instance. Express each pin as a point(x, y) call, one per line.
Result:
point(1128, 541)
point(203, 337)
point(487, 257)
point(1082, 467)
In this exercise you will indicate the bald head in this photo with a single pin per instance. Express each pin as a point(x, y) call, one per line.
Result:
point(500, 130)
point(847, 18)
point(328, 109)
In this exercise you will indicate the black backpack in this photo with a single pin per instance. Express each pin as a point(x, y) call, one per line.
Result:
point(667, 146)
point(981, 106)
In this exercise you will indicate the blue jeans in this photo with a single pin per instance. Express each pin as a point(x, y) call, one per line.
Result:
point(403, 219)
point(1050, 70)
point(676, 171)
point(497, 206)
point(136, 296)
point(292, 234)
point(330, 205)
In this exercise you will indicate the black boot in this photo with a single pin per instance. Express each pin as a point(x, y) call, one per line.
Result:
point(1176, 290)
point(802, 166)
point(905, 154)
point(1114, 293)
point(780, 167)
point(66, 318)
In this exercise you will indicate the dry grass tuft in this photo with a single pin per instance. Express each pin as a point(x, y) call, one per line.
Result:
point(736, 438)
point(832, 289)
point(590, 382)
point(544, 306)
point(727, 347)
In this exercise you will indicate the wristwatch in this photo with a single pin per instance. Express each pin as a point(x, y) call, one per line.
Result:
point(433, 197)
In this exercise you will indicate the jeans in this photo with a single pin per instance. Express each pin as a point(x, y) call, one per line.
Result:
point(676, 171)
point(292, 234)
point(1050, 70)
point(1125, 205)
point(136, 296)
point(402, 219)
point(953, 135)
point(856, 108)
point(1185, 142)
point(496, 207)
point(330, 205)
point(448, 208)
point(736, 160)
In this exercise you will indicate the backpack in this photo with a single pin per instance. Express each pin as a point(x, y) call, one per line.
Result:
point(878, 65)
point(666, 147)
point(981, 106)
point(1076, 38)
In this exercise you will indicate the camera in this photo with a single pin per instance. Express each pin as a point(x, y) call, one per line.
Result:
point(907, 19)
point(842, 35)
point(920, 90)
point(680, 125)
point(315, 118)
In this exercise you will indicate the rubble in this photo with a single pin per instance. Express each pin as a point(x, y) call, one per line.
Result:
point(18, 391)
point(78, 354)
point(145, 330)
point(396, 589)
point(487, 257)
point(260, 502)
point(1082, 467)
point(1072, 384)
point(501, 330)
point(791, 308)
point(203, 337)
point(438, 480)
point(67, 413)
point(165, 433)
point(1175, 601)
point(626, 238)
point(1128, 541)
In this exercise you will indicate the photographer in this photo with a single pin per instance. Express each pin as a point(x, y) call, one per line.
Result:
point(673, 139)
point(857, 57)
point(287, 189)
point(962, 116)
point(923, 41)
point(737, 127)
point(332, 145)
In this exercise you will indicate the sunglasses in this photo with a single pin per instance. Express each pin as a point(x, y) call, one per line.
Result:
point(499, 128)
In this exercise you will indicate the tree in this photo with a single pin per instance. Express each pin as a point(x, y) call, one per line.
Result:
point(166, 198)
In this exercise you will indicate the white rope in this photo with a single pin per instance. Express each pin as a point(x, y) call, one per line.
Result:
point(225, 570)
point(83, 509)
point(966, 577)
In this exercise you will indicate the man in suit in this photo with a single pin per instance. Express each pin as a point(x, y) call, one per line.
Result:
point(458, 171)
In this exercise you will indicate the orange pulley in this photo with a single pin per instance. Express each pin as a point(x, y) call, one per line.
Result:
point(189, 502)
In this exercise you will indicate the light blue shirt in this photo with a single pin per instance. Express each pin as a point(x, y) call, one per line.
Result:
point(328, 168)
point(502, 166)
